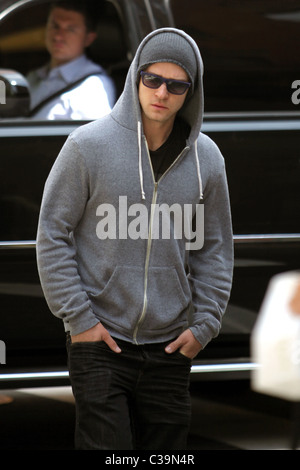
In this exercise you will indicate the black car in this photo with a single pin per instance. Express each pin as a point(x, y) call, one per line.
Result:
point(252, 112)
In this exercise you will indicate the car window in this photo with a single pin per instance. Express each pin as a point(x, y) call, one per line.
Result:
point(25, 164)
point(250, 51)
point(22, 42)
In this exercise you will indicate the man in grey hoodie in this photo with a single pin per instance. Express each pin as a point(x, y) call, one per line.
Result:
point(135, 253)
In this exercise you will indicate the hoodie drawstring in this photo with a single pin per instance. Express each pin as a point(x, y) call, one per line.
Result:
point(140, 159)
point(198, 172)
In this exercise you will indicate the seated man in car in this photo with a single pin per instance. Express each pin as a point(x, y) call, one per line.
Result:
point(70, 86)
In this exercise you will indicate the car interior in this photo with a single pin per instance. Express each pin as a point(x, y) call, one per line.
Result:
point(22, 45)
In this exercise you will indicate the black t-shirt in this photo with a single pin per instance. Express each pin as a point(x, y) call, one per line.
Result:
point(163, 157)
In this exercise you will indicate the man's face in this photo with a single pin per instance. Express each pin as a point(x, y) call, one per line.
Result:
point(66, 36)
point(158, 105)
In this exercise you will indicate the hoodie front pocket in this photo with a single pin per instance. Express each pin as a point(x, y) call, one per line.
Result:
point(121, 300)
point(167, 296)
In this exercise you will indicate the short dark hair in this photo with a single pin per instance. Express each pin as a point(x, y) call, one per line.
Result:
point(86, 8)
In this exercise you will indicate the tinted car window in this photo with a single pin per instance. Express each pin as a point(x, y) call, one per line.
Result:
point(263, 173)
point(250, 51)
point(25, 164)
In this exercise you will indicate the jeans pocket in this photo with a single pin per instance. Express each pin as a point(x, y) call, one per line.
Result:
point(183, 357)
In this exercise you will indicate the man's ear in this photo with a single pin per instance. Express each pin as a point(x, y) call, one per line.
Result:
point(90, 38)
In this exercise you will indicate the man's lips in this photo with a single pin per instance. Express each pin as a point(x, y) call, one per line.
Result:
point(58, 45)
point(159, 106)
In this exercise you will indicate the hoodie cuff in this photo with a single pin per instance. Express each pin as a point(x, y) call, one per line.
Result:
point(204, 333)
point(81, 323)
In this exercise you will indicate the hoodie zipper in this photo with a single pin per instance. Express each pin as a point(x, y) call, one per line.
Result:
point(147, 260)
point(149, 243)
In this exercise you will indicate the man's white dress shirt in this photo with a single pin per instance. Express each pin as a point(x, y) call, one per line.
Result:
point(91, 99)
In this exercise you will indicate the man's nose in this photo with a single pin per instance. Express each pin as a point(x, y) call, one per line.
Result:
point(59, 33)
point(162, 91)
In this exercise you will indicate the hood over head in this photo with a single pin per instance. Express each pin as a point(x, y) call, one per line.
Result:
point(164, 45)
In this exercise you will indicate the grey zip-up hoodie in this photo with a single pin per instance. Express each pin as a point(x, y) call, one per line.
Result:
point(95, 265)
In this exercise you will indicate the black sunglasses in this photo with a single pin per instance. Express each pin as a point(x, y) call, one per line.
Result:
point(176, 87)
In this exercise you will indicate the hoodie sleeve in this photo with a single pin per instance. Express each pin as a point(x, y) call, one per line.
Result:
point(211, 267)
point(65, 196)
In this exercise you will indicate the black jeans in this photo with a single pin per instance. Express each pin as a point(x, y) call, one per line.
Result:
point(136, 399)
